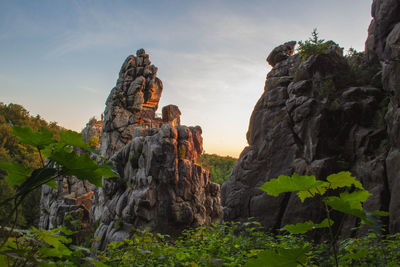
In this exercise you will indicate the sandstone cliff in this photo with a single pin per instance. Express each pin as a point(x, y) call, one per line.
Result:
point(320, 116)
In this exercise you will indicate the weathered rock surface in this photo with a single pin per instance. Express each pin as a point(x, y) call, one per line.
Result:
point(93, 129)
point(383, 45)
point(315, 117)
point(134, 100)
point(160, 187)
point(171, 115)
point(73, 198)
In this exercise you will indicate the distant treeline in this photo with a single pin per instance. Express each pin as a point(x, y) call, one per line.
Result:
point(219, 167)
point(11, 150)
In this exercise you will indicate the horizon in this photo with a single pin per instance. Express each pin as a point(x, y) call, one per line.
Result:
point(60, 60)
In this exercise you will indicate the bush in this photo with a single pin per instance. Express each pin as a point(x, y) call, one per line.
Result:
point(314, 46)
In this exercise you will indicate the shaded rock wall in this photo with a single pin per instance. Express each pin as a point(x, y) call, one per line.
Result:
point(318, 116)
point(383, 45)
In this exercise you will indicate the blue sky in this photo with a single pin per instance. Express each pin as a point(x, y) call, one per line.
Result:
point(60, 59)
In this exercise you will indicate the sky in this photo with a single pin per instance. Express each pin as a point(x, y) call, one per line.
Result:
point(60, 59)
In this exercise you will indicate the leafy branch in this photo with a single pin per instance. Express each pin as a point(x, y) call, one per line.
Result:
point(348, 202)
point(62, 160)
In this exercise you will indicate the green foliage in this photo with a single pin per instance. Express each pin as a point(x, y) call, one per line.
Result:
point(348, 202)
point(302, 228)
point(229, 244)
point(93, 141)
point(43, 248)
point(282, 257)
point(13, 151)
point(314, 46)
point(62, 160)
point(181, 151)
point(219, 167)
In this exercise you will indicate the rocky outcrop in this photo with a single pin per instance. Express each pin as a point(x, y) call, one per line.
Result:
point(160, 188)
point(72, 199)
point(316, 116)
point(93, 131)
point(383, 45)
point(132, 102)
point(171, 115)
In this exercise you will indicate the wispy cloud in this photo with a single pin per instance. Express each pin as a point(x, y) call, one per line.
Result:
point(89, 89)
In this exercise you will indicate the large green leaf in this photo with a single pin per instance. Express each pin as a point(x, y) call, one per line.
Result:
point(306, 185)
point(106, 172)
point(38, 177)
point(82, 166)
point(280, 258)
point(349, 203)
point(39, 139)
point(3, 260)
point(301, 228)
point(16, 173)
point(319, 188)
point(343, 179)
point(72, 138)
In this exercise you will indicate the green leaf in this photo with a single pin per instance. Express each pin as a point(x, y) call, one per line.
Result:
point(325, 223)
point(343, 179)
point(349, 203)
point(16, 173)
point(106, 172)
point(301, 228)
point(319, 188)
point(72, 138)
point(82, 167)
point(280, 258)
point(52, 184)
point(306, 185)
point(37, 178)
point(28, 136)
point(99, 264)
point(3, 260)
point(64, 230)
point(380, 213)
point(54, 240)
point(356, 198)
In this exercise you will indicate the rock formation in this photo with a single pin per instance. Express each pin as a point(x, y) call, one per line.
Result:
point(133, 101)
point(160, 187)
point(321, 116)
point(383, 45)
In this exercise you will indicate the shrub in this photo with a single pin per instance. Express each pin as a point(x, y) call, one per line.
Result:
point(314, 46)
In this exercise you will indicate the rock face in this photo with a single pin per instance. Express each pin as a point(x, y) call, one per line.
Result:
point(134, 100)
point(160, 186)
point(383, 45)
point(318, 116)
point(72, 199)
